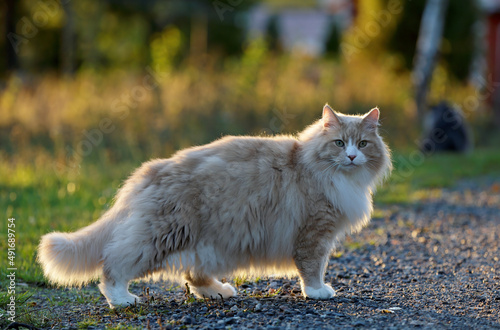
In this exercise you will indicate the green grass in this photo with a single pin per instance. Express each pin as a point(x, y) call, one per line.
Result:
point(41, 200)
point(24, 311)
point(88, 322)
point(415, 176)
point(123, 327)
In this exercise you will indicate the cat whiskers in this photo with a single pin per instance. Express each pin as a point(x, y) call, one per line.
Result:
point(337, 167)
point(371, 164)
point(334, 165)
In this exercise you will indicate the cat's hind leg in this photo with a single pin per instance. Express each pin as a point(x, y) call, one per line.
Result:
point(115, 280)
point(124, 261)
point(117, 294)
point(204, 286)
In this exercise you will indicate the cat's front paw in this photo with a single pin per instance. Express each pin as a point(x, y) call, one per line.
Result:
point(325, 292)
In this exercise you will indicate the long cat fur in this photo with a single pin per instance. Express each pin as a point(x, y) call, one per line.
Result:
point(239, 205)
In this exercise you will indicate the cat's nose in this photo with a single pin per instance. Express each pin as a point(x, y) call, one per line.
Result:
point(351, 157)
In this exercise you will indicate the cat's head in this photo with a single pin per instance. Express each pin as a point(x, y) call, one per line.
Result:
point(348, 144)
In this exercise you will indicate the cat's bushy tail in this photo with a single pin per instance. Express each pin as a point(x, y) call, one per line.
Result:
point(74, 259)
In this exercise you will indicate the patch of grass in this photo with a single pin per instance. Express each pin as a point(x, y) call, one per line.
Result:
point(20, 298)
point(86, 298)
point(353, 245)
point(61, 299)
point(4, 299)
point(173, 287)
point(416, 176)
point(273, 292)
point(240, 280)
point(88, 322)
point(25, 311)
point(42, 201)
point(337, 254)
point(134, 311)
point(191, 299)
point(378, 213)
point(37, 318)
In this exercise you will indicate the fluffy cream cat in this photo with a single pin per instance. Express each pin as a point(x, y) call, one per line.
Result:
point(239, 205)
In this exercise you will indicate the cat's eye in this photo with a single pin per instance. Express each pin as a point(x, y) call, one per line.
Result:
point(362, 144)
point(339, 143)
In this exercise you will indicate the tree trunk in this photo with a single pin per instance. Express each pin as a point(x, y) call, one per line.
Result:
point(10, 26)
point(68, 40)
point(429, 40)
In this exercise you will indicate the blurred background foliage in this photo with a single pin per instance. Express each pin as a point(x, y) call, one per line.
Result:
point(164, 75)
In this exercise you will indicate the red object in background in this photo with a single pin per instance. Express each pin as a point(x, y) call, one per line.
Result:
point(494, 56)
point(492, 10)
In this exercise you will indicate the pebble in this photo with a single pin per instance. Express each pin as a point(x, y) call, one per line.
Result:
point(187, 320)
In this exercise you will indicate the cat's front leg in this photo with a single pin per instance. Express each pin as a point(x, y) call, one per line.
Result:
point(311, 254)
point(312, 278)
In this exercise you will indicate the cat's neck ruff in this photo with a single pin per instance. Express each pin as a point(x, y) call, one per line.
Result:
point(351, 193)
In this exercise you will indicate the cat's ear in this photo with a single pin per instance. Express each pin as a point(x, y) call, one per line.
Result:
point(371, 118)
point(329, 117)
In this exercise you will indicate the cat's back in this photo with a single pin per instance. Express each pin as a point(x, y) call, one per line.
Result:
point(237, 148)
point(229, 154)
point(261, 152)
point(231, 163)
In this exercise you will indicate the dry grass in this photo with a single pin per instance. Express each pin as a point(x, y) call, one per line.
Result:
point(145, 117)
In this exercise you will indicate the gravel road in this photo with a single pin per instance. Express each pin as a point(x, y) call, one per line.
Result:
point(433, 264)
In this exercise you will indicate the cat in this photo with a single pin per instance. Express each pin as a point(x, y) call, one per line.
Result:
point(239, 205)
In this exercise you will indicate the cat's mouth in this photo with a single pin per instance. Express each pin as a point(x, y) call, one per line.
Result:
point(350, 165)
